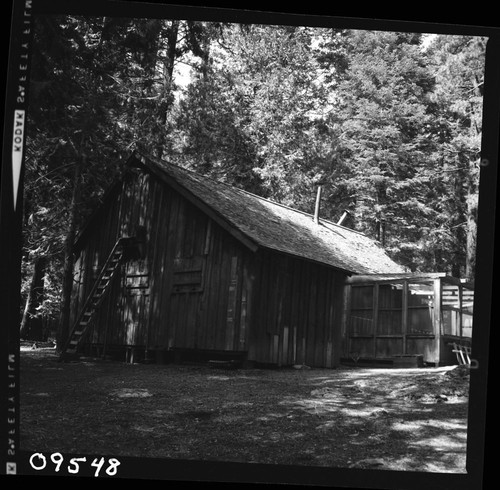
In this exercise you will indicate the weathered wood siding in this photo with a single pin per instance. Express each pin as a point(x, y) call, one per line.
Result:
point(123, 316)
point(297, 310)
point(401, 318)
point(191, 289)
point(198, 287)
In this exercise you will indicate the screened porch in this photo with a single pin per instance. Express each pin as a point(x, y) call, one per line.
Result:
point(389, 316)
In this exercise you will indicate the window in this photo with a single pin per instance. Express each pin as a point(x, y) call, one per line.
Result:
point(187, 275)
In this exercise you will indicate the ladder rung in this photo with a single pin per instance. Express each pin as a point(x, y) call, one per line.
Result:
point(109, 268)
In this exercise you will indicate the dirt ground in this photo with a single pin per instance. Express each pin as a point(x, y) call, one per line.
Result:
point(395, 419)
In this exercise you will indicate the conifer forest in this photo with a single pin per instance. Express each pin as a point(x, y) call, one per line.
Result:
point(388, 123)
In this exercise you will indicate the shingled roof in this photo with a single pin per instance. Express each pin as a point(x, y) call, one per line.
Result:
point(270, 225)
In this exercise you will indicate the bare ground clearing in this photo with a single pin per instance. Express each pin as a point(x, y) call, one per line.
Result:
point(394, 419)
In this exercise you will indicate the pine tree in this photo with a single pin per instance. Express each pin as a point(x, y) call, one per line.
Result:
point(99, 86)
point(457, 107)
point(255, 117)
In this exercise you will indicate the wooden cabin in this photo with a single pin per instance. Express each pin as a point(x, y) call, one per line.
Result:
point(419, 318)
point(212, 272)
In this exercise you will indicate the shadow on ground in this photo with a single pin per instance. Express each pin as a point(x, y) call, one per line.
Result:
point(406, 420)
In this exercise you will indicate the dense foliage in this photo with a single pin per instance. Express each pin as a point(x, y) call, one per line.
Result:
point(389, 124)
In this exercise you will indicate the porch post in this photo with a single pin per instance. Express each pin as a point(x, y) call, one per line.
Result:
point(436, 320)
point(375, 317)
point(404, 315)
point(460, 306)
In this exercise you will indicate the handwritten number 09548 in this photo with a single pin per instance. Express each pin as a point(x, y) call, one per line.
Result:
point(39, 462)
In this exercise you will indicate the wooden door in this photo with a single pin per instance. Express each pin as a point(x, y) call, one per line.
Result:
point(135, 307)
point(185, 297)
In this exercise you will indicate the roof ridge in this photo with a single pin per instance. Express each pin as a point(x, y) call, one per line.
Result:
point(294, 209)
point(196, 174)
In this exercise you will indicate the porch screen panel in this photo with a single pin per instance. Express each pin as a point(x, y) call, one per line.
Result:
point(450, 309)
point(390, 300)
point(467, 312)
point(420, 309)
point(361, 318)
point(467, 324)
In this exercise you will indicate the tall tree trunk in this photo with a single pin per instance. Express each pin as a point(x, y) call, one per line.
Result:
point(167, 95)
point(473, 180)
point(455, 265)
point(31, 324)
point(471, 215)
point(67, 283)
point(458, 219)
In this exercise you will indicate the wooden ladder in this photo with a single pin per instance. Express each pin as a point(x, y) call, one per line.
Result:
point(96, 296)
point(463, 353)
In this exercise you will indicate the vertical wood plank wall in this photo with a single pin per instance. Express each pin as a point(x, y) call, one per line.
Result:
point(181, 243)
point(296, 313)
point(197, 287)
point(424, 336)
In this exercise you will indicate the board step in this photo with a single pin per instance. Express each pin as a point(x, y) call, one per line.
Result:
point(408, 361)
point(224, 364)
